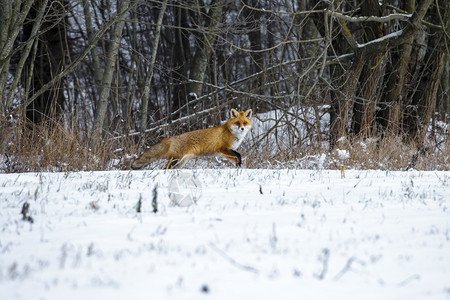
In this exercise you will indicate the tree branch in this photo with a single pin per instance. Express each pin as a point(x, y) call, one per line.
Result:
point(159, 126)
point(83, 54)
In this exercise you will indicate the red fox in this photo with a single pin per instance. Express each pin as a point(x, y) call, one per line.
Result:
point(180, 149)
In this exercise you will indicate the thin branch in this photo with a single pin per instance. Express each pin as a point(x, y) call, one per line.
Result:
point(83, 54)
point(382, 19)
point(348, 266)
point(424, 22)
point(231, 87)
point(177, 121)
point(282, 43)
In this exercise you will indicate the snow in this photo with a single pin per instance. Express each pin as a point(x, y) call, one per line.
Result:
point(343, 154)
point(255, 234)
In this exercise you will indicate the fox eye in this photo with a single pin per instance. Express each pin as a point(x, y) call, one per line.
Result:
point(245, 123)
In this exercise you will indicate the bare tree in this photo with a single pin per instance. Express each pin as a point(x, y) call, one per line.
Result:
point(422, 104)
point(110, 64)
point(149, 75)
point(12, 16)
point(49, 58)
point(205, 45)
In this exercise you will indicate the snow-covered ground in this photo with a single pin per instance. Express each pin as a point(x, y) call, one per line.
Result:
point(252, 234)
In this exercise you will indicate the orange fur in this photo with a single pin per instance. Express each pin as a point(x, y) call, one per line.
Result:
point(180, 149)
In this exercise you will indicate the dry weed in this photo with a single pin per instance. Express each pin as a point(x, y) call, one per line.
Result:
point(54, 147)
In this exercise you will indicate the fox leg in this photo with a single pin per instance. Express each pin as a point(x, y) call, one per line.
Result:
point(233, 156)
point(179, 163)
point(238, 156)
point(171, 163)
point(184, 160)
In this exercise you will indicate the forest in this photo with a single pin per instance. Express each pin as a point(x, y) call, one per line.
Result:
point(87, 82)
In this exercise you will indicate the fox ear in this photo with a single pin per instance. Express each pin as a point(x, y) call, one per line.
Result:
point(234, 113)
point(248, 113)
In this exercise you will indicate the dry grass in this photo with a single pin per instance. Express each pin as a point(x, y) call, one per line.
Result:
point(390, 153)
point(38, 148)
point(58, 148)
point(395, 154)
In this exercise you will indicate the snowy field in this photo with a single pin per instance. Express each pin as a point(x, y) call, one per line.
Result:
point(251, 234)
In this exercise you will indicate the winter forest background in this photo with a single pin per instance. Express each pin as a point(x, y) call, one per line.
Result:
point(85, 83)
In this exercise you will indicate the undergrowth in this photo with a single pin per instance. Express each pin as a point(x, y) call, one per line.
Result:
point(389, 153)
point(58, 148)
point(32, 148)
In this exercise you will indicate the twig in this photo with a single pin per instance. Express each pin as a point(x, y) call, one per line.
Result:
point(155, 199)
point(24, 212)
point(409, 280)
point(233, 261)
point(324, 258)
point(348, 266)
point(177, 121)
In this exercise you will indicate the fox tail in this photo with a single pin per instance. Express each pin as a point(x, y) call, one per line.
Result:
point(150, 155)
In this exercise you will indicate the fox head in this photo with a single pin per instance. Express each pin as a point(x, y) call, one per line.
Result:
point(240, 123)
point(241, 120)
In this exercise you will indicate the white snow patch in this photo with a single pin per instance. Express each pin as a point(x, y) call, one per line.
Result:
point(259, 234)
point(342, 154)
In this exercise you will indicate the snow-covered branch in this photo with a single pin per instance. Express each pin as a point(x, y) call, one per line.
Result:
point(381, 39)
point(382, 19)
point(342, 16)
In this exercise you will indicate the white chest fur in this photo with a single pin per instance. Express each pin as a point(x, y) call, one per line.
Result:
point(239, 133)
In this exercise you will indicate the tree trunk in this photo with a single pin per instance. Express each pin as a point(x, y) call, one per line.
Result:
point(342, 104)
point(32, 42)
point(444, 99)
point(12, 17)
point(253, 18)
point(110, 63)
point(391, 110)
point(364, 108)
point(181, 55)
point(90, 35)
point(365, 104)
point(205, 47)
point(419, 113)
point(306, 30)
point(149, 75)
point(50, 60)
